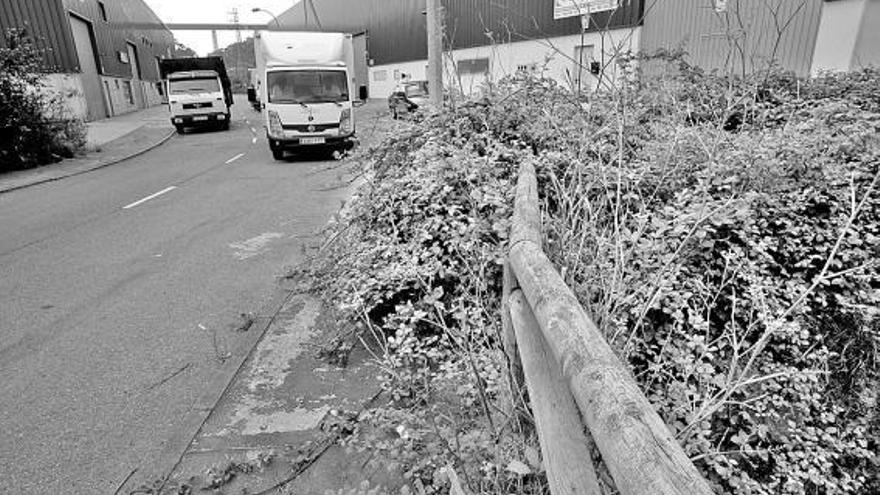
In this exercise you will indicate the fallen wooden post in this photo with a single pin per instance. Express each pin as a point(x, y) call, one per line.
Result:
point(641, 454)
point(564, 447)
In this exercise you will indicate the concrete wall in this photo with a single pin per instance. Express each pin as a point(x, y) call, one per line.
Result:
point(151, 92)
point(838, 32)
point(116, 91)
point(144, 93)
point(867, 49)
point(69, 88)
point(553, 57)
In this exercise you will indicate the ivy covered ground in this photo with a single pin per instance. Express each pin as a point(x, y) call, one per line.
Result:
point(723, 234)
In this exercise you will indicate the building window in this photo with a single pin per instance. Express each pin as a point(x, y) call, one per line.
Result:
point(126, 90)
point(380, 75)
point(103, 11)
point(473, 66)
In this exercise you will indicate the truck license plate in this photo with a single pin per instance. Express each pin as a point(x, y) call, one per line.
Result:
point(312, 140)
point(200, 117)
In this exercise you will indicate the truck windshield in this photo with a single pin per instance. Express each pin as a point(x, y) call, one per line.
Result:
point(199, 85)
point(307, 86)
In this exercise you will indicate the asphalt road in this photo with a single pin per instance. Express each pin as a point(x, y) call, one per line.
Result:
point(117, 303)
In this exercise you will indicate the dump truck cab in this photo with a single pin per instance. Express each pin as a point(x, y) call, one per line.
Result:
point(199, 92)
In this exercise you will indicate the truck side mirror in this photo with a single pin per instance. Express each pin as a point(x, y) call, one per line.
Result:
point(363, 94)
point(252, 95)
point(262, 106)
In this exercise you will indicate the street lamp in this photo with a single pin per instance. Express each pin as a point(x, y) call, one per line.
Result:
point(257, 9)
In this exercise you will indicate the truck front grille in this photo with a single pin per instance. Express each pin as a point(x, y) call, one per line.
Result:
point(309, 127)
point(193, 106)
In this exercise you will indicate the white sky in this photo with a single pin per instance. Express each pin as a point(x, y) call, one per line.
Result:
point(216, 11)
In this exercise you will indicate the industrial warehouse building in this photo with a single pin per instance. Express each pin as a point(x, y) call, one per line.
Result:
point(100, 66)
point(487, 40)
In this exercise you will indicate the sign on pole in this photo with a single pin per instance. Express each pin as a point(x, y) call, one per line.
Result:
point(573, 8)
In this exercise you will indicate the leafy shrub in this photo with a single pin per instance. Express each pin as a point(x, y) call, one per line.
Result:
point(721, 232)
point(33, 128)
point(735, 268)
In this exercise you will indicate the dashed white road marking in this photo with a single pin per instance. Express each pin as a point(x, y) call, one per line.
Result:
point(236, 157)
point(151, 196)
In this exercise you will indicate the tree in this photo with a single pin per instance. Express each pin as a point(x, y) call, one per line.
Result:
point(182, 51)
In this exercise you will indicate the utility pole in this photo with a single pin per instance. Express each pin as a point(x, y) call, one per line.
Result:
point(305, 14)
point(233, 16)
point(435, 53)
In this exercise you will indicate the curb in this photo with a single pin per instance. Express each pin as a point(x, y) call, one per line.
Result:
point(99, 166)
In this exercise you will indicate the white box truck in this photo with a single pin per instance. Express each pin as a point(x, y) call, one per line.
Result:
point(199, 92)
point(305, 82)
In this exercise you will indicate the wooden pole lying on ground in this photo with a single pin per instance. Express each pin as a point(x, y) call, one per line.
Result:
point(638, 448)
point(564, 447)
point(508, 340)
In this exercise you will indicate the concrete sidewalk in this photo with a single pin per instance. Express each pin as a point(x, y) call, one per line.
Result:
point(101, 132)
point(274, 425)
point(108, 141)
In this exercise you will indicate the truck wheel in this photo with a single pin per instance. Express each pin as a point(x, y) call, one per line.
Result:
point(179, 129)
point(278, 153)
point(225, 125)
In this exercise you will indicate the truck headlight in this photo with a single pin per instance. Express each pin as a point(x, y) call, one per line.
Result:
point(345, 123)
point(275, 128)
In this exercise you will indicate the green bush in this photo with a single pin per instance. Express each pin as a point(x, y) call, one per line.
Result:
point(415, 263)
point(721, 232)
point(734, 267)
point(33, 128)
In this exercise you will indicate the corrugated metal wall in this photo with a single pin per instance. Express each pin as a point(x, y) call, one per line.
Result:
point(745, 35)
point(46, 23)
point(471, 23)
point(111, 36)
point(397, 27)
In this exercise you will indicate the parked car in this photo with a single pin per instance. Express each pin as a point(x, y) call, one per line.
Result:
point(407, 97)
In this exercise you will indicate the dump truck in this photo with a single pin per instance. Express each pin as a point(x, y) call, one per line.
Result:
point(199, 92)
point(304, 85)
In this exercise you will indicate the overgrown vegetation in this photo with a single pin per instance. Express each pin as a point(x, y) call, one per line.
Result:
point(722, 233)
point(34, 127)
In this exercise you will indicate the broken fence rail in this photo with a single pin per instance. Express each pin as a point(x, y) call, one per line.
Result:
point(575, 379)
